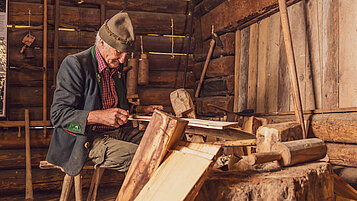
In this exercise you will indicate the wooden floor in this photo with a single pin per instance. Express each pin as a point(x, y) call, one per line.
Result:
point(105, 194)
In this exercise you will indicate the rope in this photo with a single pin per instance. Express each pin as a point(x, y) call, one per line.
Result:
point(172, 39)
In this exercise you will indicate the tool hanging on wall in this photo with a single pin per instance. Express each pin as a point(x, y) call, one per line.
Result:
point(143, 71)
point(132, 77)
point(27, 41)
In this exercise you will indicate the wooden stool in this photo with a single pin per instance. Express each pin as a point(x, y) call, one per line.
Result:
point(67, 182)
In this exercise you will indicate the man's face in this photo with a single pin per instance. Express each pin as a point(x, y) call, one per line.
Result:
point(110, 55)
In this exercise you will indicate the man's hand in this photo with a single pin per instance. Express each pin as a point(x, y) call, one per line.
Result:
point(110, 117)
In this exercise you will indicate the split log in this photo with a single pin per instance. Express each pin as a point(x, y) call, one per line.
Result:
point(217, 86)
point(230, 15)
point(221, 101)
point(223, 66)
point(228, 41)
point(311, 181)
point(171, 79)
point(157, 96)
point(13, 182)
point(165, 183)
point(333, 127)
point(342, 154)
point(161, 134)
point(270, 134)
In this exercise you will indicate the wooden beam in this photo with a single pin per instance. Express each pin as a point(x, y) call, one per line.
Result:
point(231, 15)
point(237, 49)
point(29, 189)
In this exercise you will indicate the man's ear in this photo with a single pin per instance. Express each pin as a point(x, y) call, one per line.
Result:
point(101, 43)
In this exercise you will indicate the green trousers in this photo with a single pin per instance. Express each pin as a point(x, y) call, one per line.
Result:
point(115, 149)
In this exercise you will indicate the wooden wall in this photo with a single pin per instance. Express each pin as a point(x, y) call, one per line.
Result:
point(323, 34)
point(151, 19)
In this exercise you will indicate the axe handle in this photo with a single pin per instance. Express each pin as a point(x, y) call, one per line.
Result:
point(263, 157)
point(205, 67)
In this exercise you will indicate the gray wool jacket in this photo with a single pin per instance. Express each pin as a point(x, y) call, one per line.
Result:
point(78, 92)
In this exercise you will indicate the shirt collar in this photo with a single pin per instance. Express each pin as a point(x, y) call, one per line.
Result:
point(101, 63)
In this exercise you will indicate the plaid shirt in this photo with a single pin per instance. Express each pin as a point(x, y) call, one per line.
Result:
point(109, 96)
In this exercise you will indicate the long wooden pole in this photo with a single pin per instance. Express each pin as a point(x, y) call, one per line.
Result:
point(205, 67)
point(29, 189)
point(55, 50)
point(44, 105)
point(292, 65)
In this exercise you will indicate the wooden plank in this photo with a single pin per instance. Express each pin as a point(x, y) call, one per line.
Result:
point(284, 79)
point(262, 65)
point(217, 86)
point(237, 50)
point(253, 67)
point(347, 54)
point(161, 134)
point(197, 123)
point(222, 66)
point(165, 185)
point(298, 36)
point(330, 53)
point(26, 78)
point(314, 26)
point(226, 134)
point(342, 154)
point(234, 143)
point(157, 96)
point(273, 63)
point(222, 101)
point(243, 69)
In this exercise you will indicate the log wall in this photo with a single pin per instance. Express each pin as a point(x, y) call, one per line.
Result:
point(151, 20)
point(323, 35)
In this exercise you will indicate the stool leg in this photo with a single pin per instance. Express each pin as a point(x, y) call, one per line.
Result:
point(97, 180)
point(66, 187)
point(92, 183)
point(78, 187)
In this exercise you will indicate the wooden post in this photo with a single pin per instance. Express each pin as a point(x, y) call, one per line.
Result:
point(78, 187)
point(55, 50)
point(29, 189)
point(102, 13)
point(292, 65)
point(44, 105)
point(236, 70)
point(66, 187)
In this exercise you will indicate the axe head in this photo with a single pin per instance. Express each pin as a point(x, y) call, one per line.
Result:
point(218, 41)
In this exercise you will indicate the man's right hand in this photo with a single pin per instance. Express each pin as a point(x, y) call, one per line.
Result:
point(110, 117)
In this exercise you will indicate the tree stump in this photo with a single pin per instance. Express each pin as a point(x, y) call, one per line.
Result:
point(306, 182)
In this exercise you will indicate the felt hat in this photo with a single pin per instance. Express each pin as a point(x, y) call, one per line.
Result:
point(118, 32)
